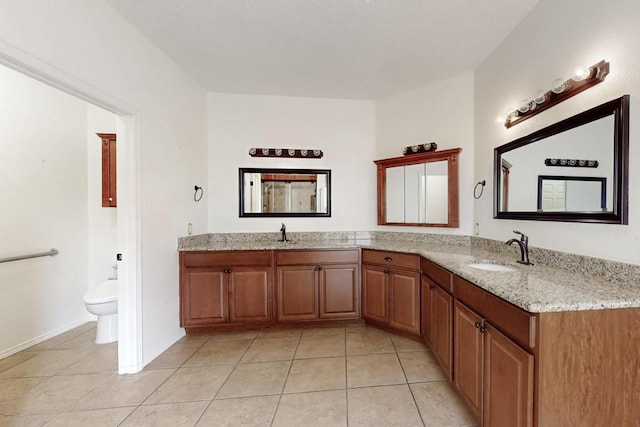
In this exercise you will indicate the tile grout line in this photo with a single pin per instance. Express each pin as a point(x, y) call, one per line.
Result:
point(273, 418)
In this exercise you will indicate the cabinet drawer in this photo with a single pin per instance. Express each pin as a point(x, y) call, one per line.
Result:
point(391, 259)
point(438, 274)
point(514, 322)
point(316, 257)
point(225, 259)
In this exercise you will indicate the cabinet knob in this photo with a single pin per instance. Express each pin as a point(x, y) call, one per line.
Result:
point(318, 268)
point(432, 288)
point(111, 199)
point(387, 272)
point(227, 270)
point(478, 324)
point(388, 258)
point(483, 329)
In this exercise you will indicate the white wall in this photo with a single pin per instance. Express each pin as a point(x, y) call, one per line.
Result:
point(103, 224)
point(343, 129)
point(88, 46)
point(441, 113)
point(43, 183)
point(554, 39)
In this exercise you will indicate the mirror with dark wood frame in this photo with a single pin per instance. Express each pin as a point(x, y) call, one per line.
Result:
point(419, 189)
point(285, 192)
point(575, 170)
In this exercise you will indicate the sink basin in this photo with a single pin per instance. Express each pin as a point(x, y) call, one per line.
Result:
point(488, 266)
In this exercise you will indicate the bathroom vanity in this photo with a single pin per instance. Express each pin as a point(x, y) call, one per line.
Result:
point(534, 346)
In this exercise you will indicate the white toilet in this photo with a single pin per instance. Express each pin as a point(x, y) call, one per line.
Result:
point(103, 302)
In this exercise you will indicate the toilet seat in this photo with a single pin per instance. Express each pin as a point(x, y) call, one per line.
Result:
point(106, 291)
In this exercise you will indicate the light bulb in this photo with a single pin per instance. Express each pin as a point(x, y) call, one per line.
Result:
point(510, 114)
point(540, 97)
point(558, 86)
point(581, 73)
point(524, 106)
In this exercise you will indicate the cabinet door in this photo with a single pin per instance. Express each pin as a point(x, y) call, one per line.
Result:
point(250, 294)
point(404, 304)
point(443, 330)
point(427, 313)
point(468, 356)
point(339, 293)
point(374, 293)
point(508, 382)
point(204, 298)
point(297, 292)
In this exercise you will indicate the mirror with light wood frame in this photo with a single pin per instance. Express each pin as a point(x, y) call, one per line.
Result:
point(419, 190)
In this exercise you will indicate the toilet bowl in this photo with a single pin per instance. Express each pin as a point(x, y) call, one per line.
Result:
point(102, 301)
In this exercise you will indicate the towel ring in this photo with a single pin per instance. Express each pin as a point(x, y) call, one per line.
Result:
point(197, 197)
point(475, 189)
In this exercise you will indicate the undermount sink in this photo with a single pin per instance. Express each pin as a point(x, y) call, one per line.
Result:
point(489, 266)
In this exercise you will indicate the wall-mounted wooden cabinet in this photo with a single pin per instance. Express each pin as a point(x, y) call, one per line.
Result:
point(109, 181)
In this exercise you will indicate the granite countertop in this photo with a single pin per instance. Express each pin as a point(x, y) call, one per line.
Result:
point(537, 288)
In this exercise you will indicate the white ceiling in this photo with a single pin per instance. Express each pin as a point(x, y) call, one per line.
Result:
point(359, 49)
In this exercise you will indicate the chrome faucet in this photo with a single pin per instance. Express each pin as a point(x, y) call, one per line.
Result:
point(524, 247)
point(283, 230)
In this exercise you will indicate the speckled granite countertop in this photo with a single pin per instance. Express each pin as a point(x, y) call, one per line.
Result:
point(536, 288)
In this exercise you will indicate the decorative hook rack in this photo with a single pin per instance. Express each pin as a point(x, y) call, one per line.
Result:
point(582, 80)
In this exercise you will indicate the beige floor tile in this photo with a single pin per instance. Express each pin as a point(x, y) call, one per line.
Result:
point(226, 352)
point(369, 342)
point(11, 388)
point(327, 373)
point(16, 359)
point(102, 360)
point(420, 366)
point(270, 349)
point(440, 405)
point(312, 346)
point(386, 406)
point(65, 336)
point(190, 384)
point(54, 394)
point(45, 364)
point(123, 390)
point(245, 411)
point(170, 415)
point(237, 335)
point(374, 369)
point(176, 355)
point(406, 344)
point(255, 379)
point(93, 418)
point(24, 420)
point(321, 409)
point(279, 333)
point(340, 330)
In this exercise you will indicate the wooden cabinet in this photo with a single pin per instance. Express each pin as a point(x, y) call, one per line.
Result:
point(391, 290)
point(437, 313)
point(314, 285)
point(109, 181)
point(225, 287)
point(492, 372)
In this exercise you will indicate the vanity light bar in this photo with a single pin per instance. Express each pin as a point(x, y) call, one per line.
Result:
point(422, 148)
point(581, 80)
point(286, 152)
point(574, 163)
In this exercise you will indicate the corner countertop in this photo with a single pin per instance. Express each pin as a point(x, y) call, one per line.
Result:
point(536, 289)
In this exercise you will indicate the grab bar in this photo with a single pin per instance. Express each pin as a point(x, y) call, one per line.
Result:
point(52, 252)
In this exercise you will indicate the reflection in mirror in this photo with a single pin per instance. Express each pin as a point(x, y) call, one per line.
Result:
point(530, 184)
point(424, 196)
point(419, 189)
point(572, 194)
point(285, 192)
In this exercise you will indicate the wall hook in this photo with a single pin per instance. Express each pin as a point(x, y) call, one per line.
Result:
point(197, 197)
point(475, 189)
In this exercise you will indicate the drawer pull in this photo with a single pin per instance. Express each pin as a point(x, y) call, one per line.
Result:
point(388, 258)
